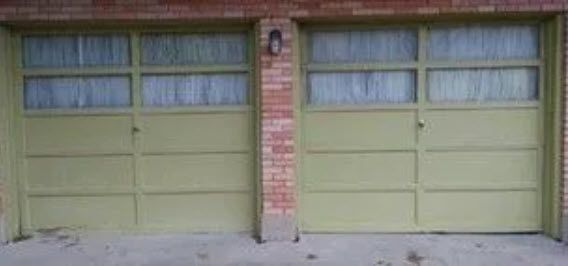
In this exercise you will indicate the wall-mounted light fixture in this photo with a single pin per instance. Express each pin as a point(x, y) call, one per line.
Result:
point(275, 42)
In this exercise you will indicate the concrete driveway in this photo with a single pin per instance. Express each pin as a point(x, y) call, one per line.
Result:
point(58, 248)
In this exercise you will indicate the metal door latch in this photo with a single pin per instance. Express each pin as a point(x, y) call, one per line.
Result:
point(421, 123)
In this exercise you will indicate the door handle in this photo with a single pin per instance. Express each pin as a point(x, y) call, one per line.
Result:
point(421, 123)
point(136, 130)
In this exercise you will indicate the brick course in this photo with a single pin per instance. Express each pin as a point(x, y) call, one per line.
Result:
point(61, 10)
point(277, 149)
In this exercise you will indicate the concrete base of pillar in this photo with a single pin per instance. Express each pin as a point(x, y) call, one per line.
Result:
point(278, 228)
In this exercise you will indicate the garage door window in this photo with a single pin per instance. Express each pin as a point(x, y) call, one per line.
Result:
point(361, 87)
point(507, 84)
point(53, 55)
point(75, 50)
point(491, 42)
point(193, 49)
point(361, 67)
point(223, 54)
point(363, 46)
point(76, 92)
point(198, 89)
point(507, 57)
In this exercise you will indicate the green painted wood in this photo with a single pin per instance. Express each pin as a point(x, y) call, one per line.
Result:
point(79, 191)
point(8, 148)
point(136, 124)
point(55, 135)
point(480, 167)
point(99, 70)
point(358, 212)
point(421, 76)
point(194, 69)
point(108, 172)
point(358, 171)
point(481, 128)
point(200, 212)
point(359, 131)
point(93, 212)
point(331, 67)
point(553, 112)
point(482, 211)
point(196, 109)
point(326, 67)
point(79, 112)
point(19, 138)
point(179, 133)
point(185, 168)
point(474, 167)
point(484, 64)
point(222, 170)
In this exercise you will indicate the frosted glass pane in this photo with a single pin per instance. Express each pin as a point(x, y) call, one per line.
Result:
point(484, 42)
point(363, 46)
point(75, 50)
point(213, 89)
point(76, 92)
point(514, 84)
point(203, 48)
point(361, 87)
point(103, 50)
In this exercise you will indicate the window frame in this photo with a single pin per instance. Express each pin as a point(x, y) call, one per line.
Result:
point(134, 70)
point(308, 67)
point(421, 66)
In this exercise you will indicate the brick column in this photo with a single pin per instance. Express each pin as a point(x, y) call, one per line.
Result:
point(278, 209)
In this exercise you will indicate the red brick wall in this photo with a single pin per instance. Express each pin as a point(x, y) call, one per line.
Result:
point(277, 128)
point(18, 10)
point(277, 123)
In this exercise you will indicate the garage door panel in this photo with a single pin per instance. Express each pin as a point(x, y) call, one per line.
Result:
point(336, 212)
point(80, 172)
point(360, 130)
point(463, 152)
point(199, 171)
point(459, 128)
point(85, 135)
point(358, 170)
point(87, 211)
point(480, 167)
point(171, 151)
point(200, 212)
point(481, 211)
point(196, 132)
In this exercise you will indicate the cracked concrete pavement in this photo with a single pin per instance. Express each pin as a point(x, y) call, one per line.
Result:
point(62, 248)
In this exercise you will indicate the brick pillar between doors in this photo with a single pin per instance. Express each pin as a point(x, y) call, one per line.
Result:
point(278, 207)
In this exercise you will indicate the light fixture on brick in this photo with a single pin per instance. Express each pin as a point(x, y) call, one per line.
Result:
point(275, 42)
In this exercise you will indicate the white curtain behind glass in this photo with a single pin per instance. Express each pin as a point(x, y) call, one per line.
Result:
point(484, 42)
point(482, 85)
point(179, 90)
point(76, 92)
point(363, 46)
point(75, 50)
point(361, 87)
point(204, 48)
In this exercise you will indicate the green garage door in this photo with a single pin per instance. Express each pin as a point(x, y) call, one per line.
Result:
point(137, 130)
point(422, 128)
